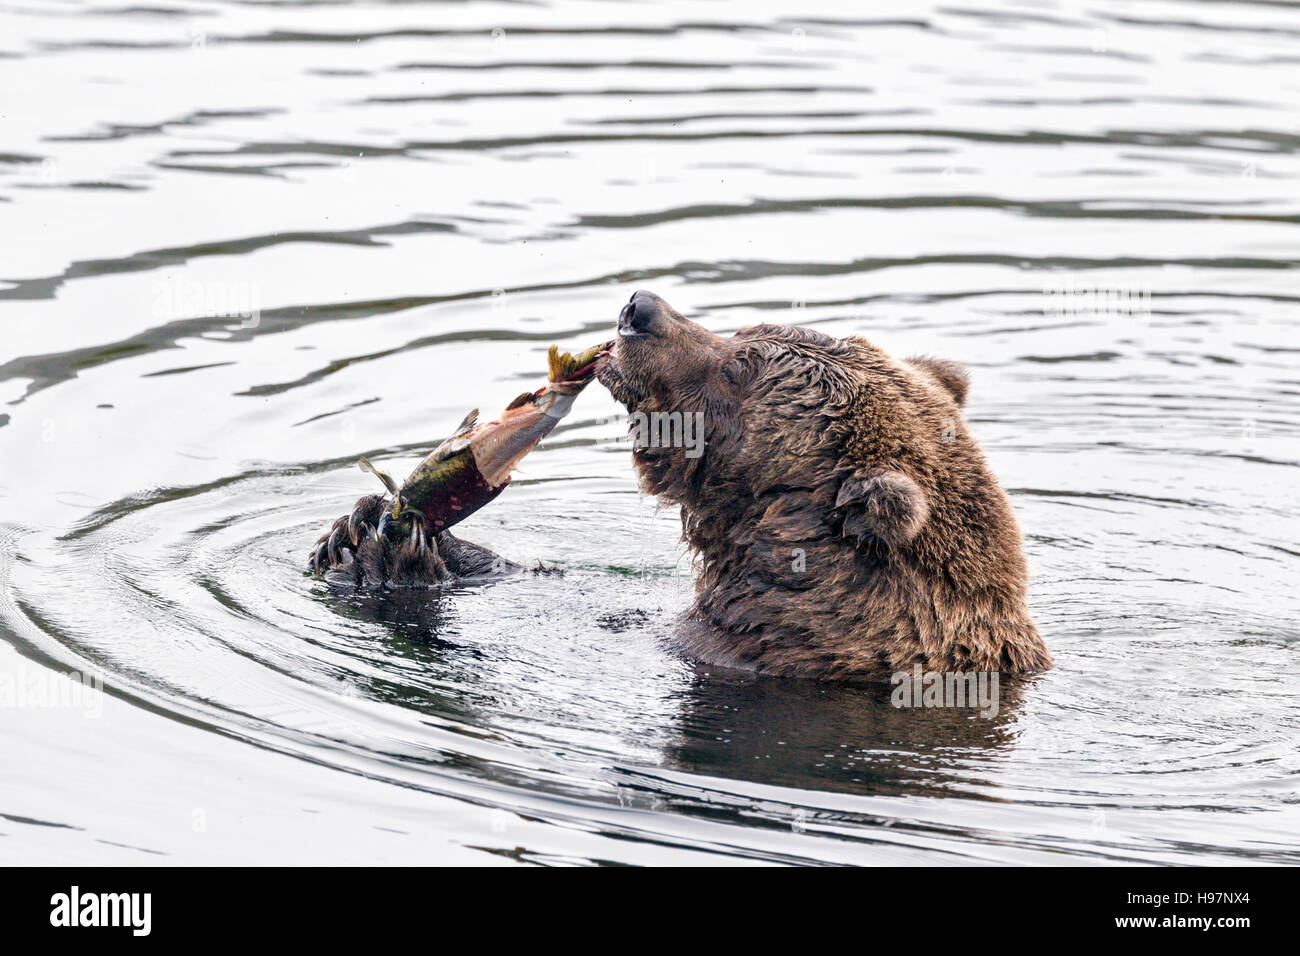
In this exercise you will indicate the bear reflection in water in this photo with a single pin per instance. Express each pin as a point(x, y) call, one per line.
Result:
point(822, 735)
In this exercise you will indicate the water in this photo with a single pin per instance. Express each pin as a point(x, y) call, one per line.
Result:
point(417, 199)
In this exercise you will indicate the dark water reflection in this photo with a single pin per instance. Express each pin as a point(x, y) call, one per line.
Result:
point(848, 740)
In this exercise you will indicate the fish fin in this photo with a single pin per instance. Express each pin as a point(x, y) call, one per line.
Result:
point(567, 367)
point(523, 399)
point(364, 465)
point(467, 424)
point(456, 442)
point(560, 365)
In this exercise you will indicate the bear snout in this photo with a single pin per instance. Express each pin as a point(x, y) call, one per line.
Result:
point(637, 319)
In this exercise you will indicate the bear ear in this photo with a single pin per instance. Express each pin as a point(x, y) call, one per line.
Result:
point(883, 504)
point(951, 375)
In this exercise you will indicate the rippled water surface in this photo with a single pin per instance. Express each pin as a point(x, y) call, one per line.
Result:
point(418, 199)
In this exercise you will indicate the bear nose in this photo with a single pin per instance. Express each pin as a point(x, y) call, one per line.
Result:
point(636, 316)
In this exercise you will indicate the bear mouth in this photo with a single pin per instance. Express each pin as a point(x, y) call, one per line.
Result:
point(610, 374)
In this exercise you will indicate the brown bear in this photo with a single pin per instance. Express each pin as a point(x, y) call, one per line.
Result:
point(844, 522)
